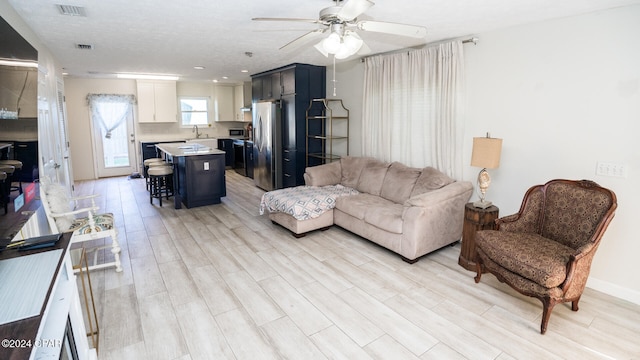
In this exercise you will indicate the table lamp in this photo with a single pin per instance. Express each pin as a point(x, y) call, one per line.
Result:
point(485, 154)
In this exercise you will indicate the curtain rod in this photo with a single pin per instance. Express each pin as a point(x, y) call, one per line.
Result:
point(473, 40)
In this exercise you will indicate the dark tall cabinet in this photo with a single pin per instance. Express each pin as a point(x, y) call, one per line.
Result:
point(27, 152)
point(295, 85)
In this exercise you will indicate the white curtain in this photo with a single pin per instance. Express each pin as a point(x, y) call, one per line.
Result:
point(110, 111)
point(412, 107)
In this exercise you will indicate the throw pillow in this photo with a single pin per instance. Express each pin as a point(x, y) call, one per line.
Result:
point(399, 182)
point(351, 168)
point(430, 179)
point(372, 177)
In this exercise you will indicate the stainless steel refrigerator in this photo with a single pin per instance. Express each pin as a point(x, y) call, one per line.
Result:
point(267, 144)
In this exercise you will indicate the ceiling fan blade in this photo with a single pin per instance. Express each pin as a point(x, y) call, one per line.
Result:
point(353, 8)
point(364, 50)
point(313, 21)
point(393, 28)
point(304, 39)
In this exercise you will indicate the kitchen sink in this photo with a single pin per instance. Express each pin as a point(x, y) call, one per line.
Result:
point(206, 142)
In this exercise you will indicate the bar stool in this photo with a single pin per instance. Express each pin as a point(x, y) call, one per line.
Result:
point(15, 176)
point(4, 197)
point(9, 170)
point(147, 163)
point(161, 182)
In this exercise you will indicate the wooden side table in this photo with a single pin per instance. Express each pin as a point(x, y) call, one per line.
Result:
point(475, 219)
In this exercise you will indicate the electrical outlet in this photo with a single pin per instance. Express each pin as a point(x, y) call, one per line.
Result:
point(611, 169)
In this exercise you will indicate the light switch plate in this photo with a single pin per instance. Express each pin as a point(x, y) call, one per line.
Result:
point(206, 165)
point(611, 169)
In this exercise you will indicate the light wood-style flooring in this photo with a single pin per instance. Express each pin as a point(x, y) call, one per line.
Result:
point(223, 282)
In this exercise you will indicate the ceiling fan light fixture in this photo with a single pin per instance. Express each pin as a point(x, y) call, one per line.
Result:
point(320, 47)
point(332, 43)
point(352, 42)
point(342, 54)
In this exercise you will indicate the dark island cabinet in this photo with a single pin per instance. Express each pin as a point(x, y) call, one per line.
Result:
point(297, 84)
point(201, 179)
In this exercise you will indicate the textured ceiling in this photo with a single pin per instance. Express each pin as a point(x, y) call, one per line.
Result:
point(173, 36)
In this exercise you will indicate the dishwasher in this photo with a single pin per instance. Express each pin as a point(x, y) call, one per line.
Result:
point(239, 161)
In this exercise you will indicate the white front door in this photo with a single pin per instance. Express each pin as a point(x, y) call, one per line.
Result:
point(114, 139)
point(62, 146)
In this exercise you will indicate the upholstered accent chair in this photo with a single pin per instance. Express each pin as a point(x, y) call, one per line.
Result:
point(545, 250)
point(65, 215)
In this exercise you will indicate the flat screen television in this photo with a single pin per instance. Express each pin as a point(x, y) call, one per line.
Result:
point(18, 110)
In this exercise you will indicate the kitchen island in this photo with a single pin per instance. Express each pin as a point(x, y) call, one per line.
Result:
point(198, 173)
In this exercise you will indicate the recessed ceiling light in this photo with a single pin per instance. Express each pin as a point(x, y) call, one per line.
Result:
point(215, 80)
point(225, 77)
point(199, 67)
point(244, 71)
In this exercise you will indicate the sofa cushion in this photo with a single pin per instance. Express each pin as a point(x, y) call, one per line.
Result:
point(357, 205)
point(387, 217)
point(399, 182)
point(536, 258)
point(372, 177)
point(351, 168)
point(323, 175)
point(430, 179)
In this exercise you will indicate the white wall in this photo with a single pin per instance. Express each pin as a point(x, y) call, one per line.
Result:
point(349, 77)
point(563, 94)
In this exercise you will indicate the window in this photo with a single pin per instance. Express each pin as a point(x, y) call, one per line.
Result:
point(194, 111)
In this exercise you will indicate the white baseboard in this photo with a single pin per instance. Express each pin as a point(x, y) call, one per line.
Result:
point(614, 290)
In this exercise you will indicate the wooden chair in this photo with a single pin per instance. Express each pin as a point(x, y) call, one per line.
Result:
point(545, 250)
point(62, 217)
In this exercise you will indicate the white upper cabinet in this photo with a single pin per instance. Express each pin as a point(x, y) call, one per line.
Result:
point(223, 103)
point(242, 102)
point(238, 101)
point(157, 101)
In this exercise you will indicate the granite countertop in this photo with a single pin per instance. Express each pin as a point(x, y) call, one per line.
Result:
point(187, 149)
point(16, 139)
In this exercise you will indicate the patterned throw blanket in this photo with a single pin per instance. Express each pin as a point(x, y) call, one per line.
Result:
point(304, 202)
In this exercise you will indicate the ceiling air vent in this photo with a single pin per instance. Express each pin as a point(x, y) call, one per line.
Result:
point(71, 10)
point(84, 46)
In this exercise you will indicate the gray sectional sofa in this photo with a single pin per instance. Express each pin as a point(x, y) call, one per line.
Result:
point(408, 210)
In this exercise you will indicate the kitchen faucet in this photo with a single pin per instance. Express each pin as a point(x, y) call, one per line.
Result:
point(195, 129)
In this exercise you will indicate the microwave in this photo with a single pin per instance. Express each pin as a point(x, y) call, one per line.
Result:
point(236, 133)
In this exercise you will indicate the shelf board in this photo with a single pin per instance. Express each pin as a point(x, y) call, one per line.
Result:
point(321, 117)
point(320, 137)
point(325, 156)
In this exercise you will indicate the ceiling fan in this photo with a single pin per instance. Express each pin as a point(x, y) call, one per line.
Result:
point(341, 22)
